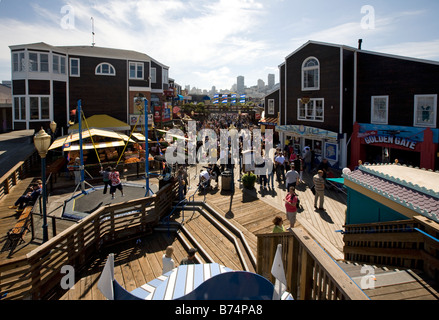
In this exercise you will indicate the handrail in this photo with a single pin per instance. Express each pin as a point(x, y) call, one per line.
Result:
point(310, 272)
point(427, 235)
point(39, 272)
point(168, 217)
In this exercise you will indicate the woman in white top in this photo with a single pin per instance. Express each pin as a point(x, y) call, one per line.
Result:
point(168, 263)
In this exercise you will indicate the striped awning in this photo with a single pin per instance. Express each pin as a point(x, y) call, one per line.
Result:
point(74, 136)
point(268, 121)
point(88, 146)
point(141, 137)
point(179, 281)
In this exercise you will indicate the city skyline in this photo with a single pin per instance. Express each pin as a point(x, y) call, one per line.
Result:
point(209, 44)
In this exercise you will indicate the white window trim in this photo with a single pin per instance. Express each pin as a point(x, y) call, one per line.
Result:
point(154, 75)
point(434, 111)
point(372, 110)
point(165, 76)
point(136, 64)
point(60, 57)
point(38, 61)
point(21, 65)
point(70, 67)
point(39, 107)
point(309, 68)
point(22, 117)
point(270, 109)
point(109, 68)
point(314, 115)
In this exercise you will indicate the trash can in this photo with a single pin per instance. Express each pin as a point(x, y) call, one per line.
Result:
point(226, 180)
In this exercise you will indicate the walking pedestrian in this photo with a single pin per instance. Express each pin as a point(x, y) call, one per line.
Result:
point(280, 169)
point(290, 206)
point(270, 173)
point(106, 178)
point(292, 177)
point(116, 183)
point(307, 157)
point(319, 184)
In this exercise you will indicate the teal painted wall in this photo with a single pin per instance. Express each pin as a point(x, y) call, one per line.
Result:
point(361, 209)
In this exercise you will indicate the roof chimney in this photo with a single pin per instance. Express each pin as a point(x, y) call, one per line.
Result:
point(360, 41)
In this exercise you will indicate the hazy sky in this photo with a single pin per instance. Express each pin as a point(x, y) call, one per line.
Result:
point(210, 42)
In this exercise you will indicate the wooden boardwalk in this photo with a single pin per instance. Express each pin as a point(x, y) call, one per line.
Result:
point(251, 211)
point(254, 210)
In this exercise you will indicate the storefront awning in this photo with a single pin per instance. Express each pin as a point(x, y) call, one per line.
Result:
point(74, 136)
point(88, 146)
point(268, 121)
point(141, 137)
point(102, 121)
point(308, 132)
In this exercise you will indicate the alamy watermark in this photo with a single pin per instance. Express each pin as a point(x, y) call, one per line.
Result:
point(68, 18)
point(67, 281)
point(367, 281)
point(230, 152)
point(368, 20)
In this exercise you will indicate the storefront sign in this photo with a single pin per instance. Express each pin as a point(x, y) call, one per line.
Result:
point(162, 113)
point(391, 140)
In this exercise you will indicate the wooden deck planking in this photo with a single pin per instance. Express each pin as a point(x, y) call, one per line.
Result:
point(217, 245)
point(403, 291)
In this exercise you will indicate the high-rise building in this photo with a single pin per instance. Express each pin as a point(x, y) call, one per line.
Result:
point(240, 85)
point(270, 81)
point(261, 84)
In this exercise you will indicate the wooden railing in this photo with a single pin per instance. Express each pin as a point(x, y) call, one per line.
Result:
point(408, 243)
point(19, 172)
point(310, 272)
point(37, 274)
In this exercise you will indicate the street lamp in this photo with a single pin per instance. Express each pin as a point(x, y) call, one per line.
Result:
point(42, 143)
point(53, 128)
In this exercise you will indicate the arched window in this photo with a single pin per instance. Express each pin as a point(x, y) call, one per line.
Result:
point(311, 74)
point(105, 69)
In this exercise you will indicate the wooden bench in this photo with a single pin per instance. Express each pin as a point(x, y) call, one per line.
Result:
point(21, 226)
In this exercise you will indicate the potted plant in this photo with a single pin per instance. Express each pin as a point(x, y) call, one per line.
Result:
point(248, 180)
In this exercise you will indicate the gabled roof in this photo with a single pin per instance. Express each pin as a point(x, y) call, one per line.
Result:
point(321, 44)
point(413, 188)
point(90, 51)
point(361, 51)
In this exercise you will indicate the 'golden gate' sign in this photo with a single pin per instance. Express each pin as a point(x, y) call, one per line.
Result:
point(402, 142)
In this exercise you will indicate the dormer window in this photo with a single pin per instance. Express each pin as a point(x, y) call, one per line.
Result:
point(105, 69)
point(311, 74)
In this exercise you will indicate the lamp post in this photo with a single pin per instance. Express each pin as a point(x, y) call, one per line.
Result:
point(42, 143)
point(53, 127)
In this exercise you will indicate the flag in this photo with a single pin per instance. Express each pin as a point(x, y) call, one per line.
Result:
point(233, 95)
point(225, 96)
point(224, 101)
point(215, 101)
point(234, 101)
point(216, 96)
point(277, 270)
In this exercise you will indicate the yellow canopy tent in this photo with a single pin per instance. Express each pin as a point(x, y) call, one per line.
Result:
point(74, 136)
point(103, 121)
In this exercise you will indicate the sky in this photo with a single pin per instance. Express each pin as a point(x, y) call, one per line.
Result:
point(211, 42)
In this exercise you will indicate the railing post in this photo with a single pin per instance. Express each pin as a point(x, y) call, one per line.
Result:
point(294, 254)
point(306, 275)
point(53, 226)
